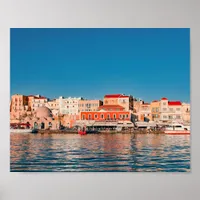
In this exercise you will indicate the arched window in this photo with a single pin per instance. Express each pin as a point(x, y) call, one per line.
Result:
point(102, 116)
point(42, 125)
point(50, 124)
point(89, 116)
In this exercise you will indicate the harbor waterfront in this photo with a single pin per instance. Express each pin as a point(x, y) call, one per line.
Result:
point(99, 153)
point(100, 100)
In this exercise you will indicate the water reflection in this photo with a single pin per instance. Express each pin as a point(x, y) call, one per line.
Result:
point(117, 152)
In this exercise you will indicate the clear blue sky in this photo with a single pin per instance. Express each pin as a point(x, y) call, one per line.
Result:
point(146, 63)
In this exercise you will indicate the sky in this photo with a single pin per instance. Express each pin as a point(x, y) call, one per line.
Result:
point(148, 63)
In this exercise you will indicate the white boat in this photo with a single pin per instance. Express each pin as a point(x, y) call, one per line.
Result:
point(176, 129)
point(21, 130)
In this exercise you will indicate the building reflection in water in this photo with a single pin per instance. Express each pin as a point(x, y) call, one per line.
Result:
point(103, 152)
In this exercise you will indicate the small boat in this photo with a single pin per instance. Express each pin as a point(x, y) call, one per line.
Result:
point(82, 132)
point(177, 129)
point(22, 128)
point(12, 130)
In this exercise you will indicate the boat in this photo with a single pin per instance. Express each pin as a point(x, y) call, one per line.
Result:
point(177, 129)
point(22, 128)
point(82, 132)
point(26, 130)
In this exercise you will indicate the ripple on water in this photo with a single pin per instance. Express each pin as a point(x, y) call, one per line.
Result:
point(110, 153)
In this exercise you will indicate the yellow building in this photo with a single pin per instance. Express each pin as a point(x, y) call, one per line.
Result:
point(18, 105)
point(155, 110)
point(125, 101)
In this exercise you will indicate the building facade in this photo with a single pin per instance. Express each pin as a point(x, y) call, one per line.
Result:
point(36, 101)
point(18, 105)
point(106, 115)
point(170, 111)
point(42, 118)
point(186, 112)
point(69, 105)
point(53, 105)
point(85, 105)
point(155, 110)
point(119, 99)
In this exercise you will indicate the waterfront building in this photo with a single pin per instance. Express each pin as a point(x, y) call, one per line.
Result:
point(125, 101)
point(42, 118)
point(155, 110)
point(53, 105)
point(85, 105)
point(69, 105)
point(170, 111)
point(106, 115)
point(36, 101)
point(186, 112)
point(111, 108)
point(18, 106)
point(105, 118)
point(137, 105)
point(69, 120)
point(142, 110)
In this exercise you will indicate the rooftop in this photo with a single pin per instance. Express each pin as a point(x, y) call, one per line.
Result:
point(115, 96)
point(174, 103)
point(110, 106)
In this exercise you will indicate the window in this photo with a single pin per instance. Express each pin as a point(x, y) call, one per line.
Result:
point(170, 117)
point(164, 103)
point(164, 109)
point(95, 116)
point(102, 116)
point(178, 117)
point(164, 117)
point(157, 109)
point(177, 109)
point(127, 116)
point(114, 116)
point(120, 116)
point(83, 117)
point(171, 109)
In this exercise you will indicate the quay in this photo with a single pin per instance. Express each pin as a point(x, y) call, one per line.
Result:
point(102, 132)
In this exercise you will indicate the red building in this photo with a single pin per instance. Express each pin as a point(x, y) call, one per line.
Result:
point(111, 108)
point(106, 115)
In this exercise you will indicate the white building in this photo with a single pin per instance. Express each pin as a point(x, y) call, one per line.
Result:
point(186, 112)
point(38, 101)
point(170, 110)
point(53, 105)
point(69, 105)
